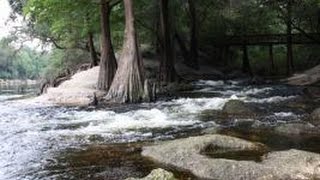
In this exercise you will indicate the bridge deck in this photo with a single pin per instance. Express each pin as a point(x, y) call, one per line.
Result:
point(267, 39)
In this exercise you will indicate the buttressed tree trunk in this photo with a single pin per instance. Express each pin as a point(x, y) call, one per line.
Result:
point(93, 53)
point(167, 69)
point(108, 63)
point(127, 85)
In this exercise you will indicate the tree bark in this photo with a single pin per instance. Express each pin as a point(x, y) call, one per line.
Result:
point(194, 35)
point(167, 69)
point(127, 85)
point(108, 63)
point(93, 53)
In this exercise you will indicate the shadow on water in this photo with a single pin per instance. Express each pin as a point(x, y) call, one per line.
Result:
point(112, 162)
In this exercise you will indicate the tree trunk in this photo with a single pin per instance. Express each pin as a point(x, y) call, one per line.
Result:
point(246, 68)
point(289, 39)
point(108, 63)
point(194, 36)
point(127, 85)
point(93, 53)
point(167, 69)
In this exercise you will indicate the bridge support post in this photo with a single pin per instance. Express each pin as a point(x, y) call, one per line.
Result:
point(289, 39)
point(271, 58)
point(246, 68)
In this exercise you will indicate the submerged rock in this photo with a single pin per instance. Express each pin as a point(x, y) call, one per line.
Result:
point(157, 174)
point(242, 113)
point(236, 107)
point(190, 154)
point(297, 129)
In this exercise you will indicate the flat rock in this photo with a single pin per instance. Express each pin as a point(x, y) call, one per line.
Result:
point(187, 154)
point(309, 77)
point(157, 174)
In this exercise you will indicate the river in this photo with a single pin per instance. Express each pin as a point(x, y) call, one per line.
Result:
point(46, 142)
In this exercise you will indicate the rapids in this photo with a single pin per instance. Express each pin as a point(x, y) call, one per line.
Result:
point(46, 142)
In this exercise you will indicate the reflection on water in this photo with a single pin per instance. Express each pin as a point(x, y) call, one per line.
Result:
point(46, 142)
point(117, 161)
point(17, 91)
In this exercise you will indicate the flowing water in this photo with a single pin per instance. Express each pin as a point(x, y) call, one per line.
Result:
point(45, 142)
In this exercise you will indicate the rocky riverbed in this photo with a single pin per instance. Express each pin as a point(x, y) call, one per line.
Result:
point(45, 141)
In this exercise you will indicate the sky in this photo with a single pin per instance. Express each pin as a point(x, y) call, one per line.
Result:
point(6, 27)
point(4, 15)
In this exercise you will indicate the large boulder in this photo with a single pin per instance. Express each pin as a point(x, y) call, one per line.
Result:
point(191, 154)
point(157, 174)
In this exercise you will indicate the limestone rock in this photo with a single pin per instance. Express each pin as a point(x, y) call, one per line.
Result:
point(315, 117)
point(188, 154)
point(157, 174)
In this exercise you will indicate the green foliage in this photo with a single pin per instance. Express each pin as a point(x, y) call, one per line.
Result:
point(20, 64)
point(68, 22)
point(61, 61)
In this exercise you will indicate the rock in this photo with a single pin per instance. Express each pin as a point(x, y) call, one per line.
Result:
point(157, 174)
point(312, 92)
point(211, 114)
point(309, 77)
point(315, 117)
point(296, 129)
point(188, 154)
point(257, 80)
point(234, 111)
point(211, 130)
point(236, 107)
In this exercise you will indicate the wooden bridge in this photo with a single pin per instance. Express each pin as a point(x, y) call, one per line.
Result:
point(269, 39)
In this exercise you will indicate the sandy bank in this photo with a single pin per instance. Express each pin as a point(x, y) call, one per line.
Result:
point(78, 91)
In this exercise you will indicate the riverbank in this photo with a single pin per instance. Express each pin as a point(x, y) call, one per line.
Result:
point(17, 82)
point(81, 88)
